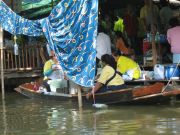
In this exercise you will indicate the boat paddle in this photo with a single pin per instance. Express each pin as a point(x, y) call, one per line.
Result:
point(97, 105)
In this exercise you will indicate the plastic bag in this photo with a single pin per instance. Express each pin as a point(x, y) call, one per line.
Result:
point(159, 72)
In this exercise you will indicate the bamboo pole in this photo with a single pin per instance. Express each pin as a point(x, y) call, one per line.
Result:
point(2, 68)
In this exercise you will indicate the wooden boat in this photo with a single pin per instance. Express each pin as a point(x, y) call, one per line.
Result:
point(140, 94)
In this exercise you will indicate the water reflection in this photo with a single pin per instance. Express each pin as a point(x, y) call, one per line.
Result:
point(22, 116)
point(4, 117)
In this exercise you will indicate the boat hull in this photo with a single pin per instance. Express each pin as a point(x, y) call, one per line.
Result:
point(137, 95)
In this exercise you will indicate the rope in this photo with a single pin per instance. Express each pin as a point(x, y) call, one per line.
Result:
point(171, 77)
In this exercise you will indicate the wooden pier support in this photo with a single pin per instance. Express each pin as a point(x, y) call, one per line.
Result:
point(80, 97)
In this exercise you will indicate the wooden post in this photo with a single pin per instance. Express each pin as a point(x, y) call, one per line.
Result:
point(154, 51)
point(26, 53)
point(38, 58)
point(8, 58)
point(15, 61)
point(23, 57)
point(2, 68)
point(4, 57)
point(33, 58)
point(79, 97)
point(12, 60)
point(19, 57)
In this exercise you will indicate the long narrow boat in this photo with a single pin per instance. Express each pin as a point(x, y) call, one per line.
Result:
point(139, 94)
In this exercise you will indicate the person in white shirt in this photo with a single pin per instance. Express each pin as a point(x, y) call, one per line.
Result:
point(103, 45)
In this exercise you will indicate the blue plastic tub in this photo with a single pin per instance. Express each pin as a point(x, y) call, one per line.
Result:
point(170, 69)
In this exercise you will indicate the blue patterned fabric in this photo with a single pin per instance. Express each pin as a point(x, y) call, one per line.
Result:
point(15, 24)
point(71, 30)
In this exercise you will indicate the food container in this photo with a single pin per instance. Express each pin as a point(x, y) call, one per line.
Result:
point(146, 46)
point(172, 71)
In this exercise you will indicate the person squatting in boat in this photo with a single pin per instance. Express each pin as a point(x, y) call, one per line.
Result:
point(109, 78)
point(52, 71)
point(129, 69)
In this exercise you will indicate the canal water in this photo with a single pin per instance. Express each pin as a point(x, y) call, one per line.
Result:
point(22, 116)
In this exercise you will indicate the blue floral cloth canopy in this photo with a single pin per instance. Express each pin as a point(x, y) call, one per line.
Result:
point(71, 30)
point(15, 24)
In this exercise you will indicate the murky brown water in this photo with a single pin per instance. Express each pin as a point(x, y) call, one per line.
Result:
point(23, 116)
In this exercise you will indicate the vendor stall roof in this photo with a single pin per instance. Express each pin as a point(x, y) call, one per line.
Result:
point(41, 8)
point(37, 8)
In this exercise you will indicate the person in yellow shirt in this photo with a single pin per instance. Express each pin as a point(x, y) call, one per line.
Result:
point(126, 66)
point(109, 78)
point(52, 71)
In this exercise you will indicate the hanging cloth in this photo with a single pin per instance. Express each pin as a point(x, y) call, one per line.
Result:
point(71, 31)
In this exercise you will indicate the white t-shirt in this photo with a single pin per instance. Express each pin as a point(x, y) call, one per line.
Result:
point(103, 45)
